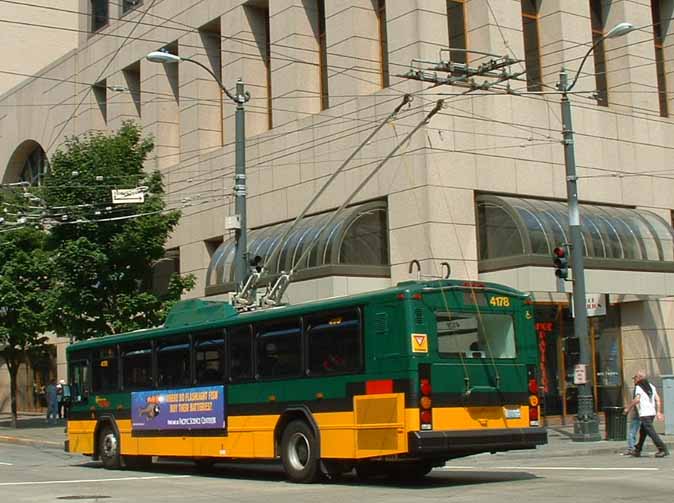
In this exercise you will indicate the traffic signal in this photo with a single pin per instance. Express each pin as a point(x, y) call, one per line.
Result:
point(256, 263)
point(561, 262)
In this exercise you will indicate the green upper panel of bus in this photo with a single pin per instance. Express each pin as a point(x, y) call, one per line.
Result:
point(202, 314)
point(198, 312)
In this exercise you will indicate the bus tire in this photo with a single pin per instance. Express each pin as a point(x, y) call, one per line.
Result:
point(108, 448)
point(299, 452)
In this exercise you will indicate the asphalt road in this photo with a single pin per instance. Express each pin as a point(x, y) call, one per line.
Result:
point(35, 474)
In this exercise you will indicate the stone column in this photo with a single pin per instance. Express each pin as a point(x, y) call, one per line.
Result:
point(200, 95)
point(160, 112)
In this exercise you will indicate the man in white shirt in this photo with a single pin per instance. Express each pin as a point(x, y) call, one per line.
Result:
point(649, 405)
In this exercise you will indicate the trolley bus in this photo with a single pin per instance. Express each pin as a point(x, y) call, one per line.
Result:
point(392, 382)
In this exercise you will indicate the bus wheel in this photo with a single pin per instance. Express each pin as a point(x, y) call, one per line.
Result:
point(299, 453)
point(108, 448)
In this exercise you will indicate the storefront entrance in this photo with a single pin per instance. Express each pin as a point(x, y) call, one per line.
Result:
point(560, 351)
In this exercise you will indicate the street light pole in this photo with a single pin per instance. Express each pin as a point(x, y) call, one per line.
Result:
point(240, 233)
point(586, 427)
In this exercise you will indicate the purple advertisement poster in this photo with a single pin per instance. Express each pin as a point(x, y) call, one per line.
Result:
point(200, 408)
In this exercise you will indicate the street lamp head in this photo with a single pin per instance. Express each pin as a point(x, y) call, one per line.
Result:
point(162, 57)
point(620, 29)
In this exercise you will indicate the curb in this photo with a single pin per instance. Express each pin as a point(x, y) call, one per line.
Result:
point(29, 441)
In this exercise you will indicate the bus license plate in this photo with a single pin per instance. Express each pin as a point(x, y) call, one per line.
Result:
point(513, 413)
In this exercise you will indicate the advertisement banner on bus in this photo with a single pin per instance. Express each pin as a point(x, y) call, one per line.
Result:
point(200, 408)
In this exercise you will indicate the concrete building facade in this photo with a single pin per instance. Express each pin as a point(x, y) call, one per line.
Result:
point(322, 74)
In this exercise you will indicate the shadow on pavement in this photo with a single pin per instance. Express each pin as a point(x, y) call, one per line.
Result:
point(270, 472)
point(36, 422)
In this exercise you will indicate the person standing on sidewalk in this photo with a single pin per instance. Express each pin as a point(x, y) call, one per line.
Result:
point(633, 421)
point(649, 405)
point(52, 402)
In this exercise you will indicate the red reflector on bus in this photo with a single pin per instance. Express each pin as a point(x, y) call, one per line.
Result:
point(425, 387)
point(533, 386)
point(426, 416)
point(533, 413)
point(400, 296)
point(416, 296)
point(379, 387)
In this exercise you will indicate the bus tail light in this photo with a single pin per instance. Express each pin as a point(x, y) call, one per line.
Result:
point(534, 402)
point(425, 401)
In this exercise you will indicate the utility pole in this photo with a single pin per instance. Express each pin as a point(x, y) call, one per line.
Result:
point(586, 427)
point(237, 222)
point(241, 236)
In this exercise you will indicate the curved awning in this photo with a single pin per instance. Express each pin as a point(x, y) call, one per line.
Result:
point(516, 231)
point(354, 244)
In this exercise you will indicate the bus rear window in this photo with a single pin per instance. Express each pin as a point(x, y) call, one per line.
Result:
point(475, 335)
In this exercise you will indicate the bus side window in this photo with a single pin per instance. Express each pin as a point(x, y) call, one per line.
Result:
point(79, 378)
point(334, 342)
point(173, 362)
point(105, 366)
point(279, 349)
point(209, 357)
point(137, 365)
point(240, 353)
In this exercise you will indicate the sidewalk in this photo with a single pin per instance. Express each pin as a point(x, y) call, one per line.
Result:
point(34, 430)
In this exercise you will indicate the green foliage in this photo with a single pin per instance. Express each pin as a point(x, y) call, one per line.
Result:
point(103, 254)
point(24, 287)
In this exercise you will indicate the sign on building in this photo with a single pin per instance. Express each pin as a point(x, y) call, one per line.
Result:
point(595, 304)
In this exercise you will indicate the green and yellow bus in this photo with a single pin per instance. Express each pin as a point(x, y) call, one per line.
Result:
point(391, 382)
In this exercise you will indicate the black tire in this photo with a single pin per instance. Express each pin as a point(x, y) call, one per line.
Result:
point(137, 462)
point(108, 448)
point(409, 472)
point(299, 453)
point(370, 469)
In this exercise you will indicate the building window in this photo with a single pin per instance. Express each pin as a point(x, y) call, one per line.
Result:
point(323, 55)
point(598, 20)
point(100, 90)
point(129, 5)
point(35, 167)
point(99, 14)
point(383, 43)
point(658, 38)
point(456, 24)
point(532, 49)
point(132, 78)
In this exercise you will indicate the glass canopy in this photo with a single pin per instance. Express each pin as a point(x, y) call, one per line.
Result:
point(516, 227)
point(353, 243)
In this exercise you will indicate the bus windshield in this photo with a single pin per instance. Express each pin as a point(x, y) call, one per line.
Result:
point(475, 335)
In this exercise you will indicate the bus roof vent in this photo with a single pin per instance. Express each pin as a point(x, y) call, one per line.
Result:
point(419, 316)
point(381, 323)
point(198, 312)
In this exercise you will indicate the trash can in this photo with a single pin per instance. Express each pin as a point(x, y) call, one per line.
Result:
point(616, 423)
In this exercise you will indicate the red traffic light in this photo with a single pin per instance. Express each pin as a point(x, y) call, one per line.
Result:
point(559, 252)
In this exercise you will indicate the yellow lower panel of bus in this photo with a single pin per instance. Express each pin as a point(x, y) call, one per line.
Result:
point(476, 418)
point(376, 427)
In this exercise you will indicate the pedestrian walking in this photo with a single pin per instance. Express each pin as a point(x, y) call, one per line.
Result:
point(65, 401)
point(59, 398)
point(649, 406)
point(633, 421)
point(52, 402)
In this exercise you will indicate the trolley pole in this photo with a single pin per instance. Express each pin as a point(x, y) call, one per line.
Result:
point(586, 426)
point(241, 235)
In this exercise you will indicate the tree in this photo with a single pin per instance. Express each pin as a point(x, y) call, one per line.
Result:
point(104, 253)
point(24, 285)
